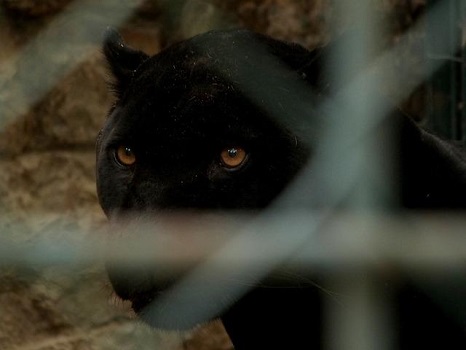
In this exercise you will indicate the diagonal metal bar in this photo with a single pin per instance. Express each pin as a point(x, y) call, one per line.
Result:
point(70, 37)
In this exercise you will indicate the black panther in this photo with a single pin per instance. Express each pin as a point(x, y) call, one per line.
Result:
point(216, 123)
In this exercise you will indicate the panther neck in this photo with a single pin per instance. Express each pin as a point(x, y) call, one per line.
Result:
point(276, 318)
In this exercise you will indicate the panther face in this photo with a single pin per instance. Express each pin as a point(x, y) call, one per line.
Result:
point(192, 131)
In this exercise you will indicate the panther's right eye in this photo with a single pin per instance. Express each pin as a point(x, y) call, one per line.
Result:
point(233, 157)
point(125, 155)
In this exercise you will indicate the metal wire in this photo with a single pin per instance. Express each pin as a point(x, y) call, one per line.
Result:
point(329, 239)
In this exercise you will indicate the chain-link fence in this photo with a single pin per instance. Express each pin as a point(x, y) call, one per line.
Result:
point(54, 292)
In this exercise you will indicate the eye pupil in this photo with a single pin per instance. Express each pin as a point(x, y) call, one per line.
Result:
point(232, 152)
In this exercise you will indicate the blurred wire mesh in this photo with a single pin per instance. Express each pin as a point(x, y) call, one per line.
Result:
point(331, 240)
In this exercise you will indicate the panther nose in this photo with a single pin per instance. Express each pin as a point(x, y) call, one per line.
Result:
point(129, 281)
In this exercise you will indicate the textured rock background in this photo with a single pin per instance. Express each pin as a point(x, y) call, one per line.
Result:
point(53, 99)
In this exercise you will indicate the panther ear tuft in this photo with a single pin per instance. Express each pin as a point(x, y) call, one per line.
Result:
point(122, 59)
point(315, 71)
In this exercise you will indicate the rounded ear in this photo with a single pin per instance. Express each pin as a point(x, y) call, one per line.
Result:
point(335, 65)
point(122, 59)
point(314, 69)
point(308, 63)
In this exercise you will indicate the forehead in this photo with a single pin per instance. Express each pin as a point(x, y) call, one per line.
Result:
point(172, 99)
point(184, 69)
point(206, 64)
point(183, 87)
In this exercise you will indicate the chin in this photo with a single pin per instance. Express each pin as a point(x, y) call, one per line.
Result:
point(170, 312)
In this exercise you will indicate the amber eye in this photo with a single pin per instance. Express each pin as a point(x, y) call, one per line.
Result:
point(233, 157)
point(125, 156)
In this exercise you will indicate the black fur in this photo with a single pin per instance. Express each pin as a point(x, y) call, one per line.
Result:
point(180, 108)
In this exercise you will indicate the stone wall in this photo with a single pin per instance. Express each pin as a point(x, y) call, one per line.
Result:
point(53, 99)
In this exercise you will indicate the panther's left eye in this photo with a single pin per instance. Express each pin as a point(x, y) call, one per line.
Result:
point(125, 155)
point(233, 157)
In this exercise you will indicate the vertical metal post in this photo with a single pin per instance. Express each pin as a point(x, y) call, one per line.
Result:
point(462, 103)
point(361, 319)
point(359, 322)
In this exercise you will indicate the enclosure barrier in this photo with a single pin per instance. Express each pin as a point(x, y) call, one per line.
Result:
point(353, 245)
